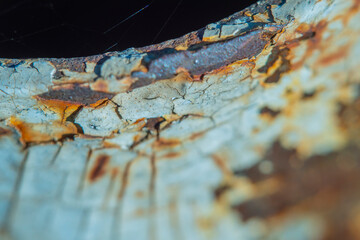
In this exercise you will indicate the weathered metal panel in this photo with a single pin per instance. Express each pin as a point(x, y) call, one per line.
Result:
point(246, 129)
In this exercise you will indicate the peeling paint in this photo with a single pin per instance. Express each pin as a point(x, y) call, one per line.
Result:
point(252, 132)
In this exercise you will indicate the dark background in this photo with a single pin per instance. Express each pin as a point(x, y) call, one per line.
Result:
point(70, 28)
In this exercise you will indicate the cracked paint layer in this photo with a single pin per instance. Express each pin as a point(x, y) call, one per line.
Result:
point(252, 133)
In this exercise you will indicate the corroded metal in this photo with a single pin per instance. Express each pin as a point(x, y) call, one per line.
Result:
point(246, 129)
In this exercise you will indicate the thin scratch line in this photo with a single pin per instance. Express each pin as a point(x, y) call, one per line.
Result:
point(142, 9)
point(167, 21)
point(111, 47)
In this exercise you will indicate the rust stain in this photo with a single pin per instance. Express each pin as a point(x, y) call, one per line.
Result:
point(124, 180)
point(196, 135)
point(310, 94)
point(61, 108)
point(4, 132)
point(137, 138)
point(139, 124)
point(107, 144)
point(101, 85)
point(221, 164)
point(43, 132)
point(140, 212)
point(152, 177)
point(354, 9)
point(349, 120)
point(334, 57)
point(75, 94)
point(139, 121)
point(114, 173)
point(354, 223)
point(199, 59)
point(100, 168)
point(154, 123)
point(221, 190)
point(171, 155)
point(313, 34)
point(77, 64)
point(319, 184)
point(162, 143)
point(229, 69)
point(278, 60)
point(269, 113)
point(65, 100)
point(139, 194)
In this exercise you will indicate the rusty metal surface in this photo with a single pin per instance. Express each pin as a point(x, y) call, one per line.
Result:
point(246, 129)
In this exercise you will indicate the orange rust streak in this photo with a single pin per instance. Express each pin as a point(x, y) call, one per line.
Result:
point(335, 57)
point(171, 155)
point(139, 120)
point(196, 135)
point(42, 132)
point(313, 36)
point(124, 180)
point(99, 168)
point(166, 143)
point(153, 174)
point(221, 164)
point(352, 11)
point(101, 102)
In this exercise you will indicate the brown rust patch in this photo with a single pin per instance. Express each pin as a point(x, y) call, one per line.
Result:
point(65, 100)
point(100, 168)
point(322, 185)
point(154, 123)
point(349, 118)
point(309, 94)
point(43, 132)
point(75, 94)
point(221, 190)
point(269, 113)
point(77, 64)
point(199, 60)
